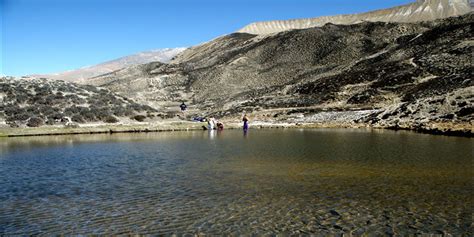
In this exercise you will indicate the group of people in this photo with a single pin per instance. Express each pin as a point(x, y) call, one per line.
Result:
point(213, 123)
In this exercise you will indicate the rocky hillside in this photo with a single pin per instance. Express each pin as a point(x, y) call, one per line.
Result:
point(421, 10)
point(37, 102)
point(228, 68)
point(401, 73)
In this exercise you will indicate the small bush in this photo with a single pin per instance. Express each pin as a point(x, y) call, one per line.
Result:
point(13, 124)
point(75, 99)
point(139, 118)
point(48, 111)
point(50, 122)
point(103, 91)
point(169, 115)
point(55, 116)
point(122, 111)
point(35, 122)
point(72, 110)
point(88, 116)
point(32, 109)
point(66, 119)
point(78, 118)
point(100, 112)
point(49, 100)
point(22, 116)
point(21, 98)
point(59, 95)
point(111, 119)
point(43, 91)
point(12, 110)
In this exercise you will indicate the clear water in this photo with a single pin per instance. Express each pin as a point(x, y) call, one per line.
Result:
point(267, 182)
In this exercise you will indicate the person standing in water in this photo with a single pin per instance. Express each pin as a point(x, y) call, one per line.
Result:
point(246, 122)
point(219, 125)
point(211, 123)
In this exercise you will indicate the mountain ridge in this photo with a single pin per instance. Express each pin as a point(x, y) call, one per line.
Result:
point(421, 10)
point(82, 74)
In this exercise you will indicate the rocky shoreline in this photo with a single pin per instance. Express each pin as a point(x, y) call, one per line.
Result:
point(446, 129)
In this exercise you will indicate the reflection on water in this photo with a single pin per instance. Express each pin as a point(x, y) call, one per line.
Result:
point(274, 181)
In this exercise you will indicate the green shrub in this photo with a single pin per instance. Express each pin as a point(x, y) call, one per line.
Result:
point(59, 95)
point(32, 109)
point(122, 111)
point(55, 116)
point(11, 110)
point(35, 122)
point(88, 116)
point(21, 98)
point(78, 118)
point(13, 124)
point(22, 116)
point(43, 91)
point(169, 115)
point(48, 111)
point(111, 119)
point(50, 122)
point(75, 110)
point(75, 99)
point(100, 113)
point(139, 118)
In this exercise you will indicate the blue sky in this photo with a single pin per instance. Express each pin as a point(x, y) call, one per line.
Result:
point(46, 36)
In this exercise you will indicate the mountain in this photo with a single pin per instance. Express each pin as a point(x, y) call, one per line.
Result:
point(372, 73)
point(421, 10)
point(80, 75)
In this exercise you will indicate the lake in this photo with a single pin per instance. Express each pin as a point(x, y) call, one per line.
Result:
point(288, 181)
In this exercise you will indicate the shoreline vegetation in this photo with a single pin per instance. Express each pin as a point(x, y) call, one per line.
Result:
point(447, 129)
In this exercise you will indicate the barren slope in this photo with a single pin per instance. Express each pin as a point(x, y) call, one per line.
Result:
point(404, 73)
point(421, 10)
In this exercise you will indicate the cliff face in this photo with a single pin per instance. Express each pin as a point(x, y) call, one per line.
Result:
point(421, 10)
point(402, 73)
